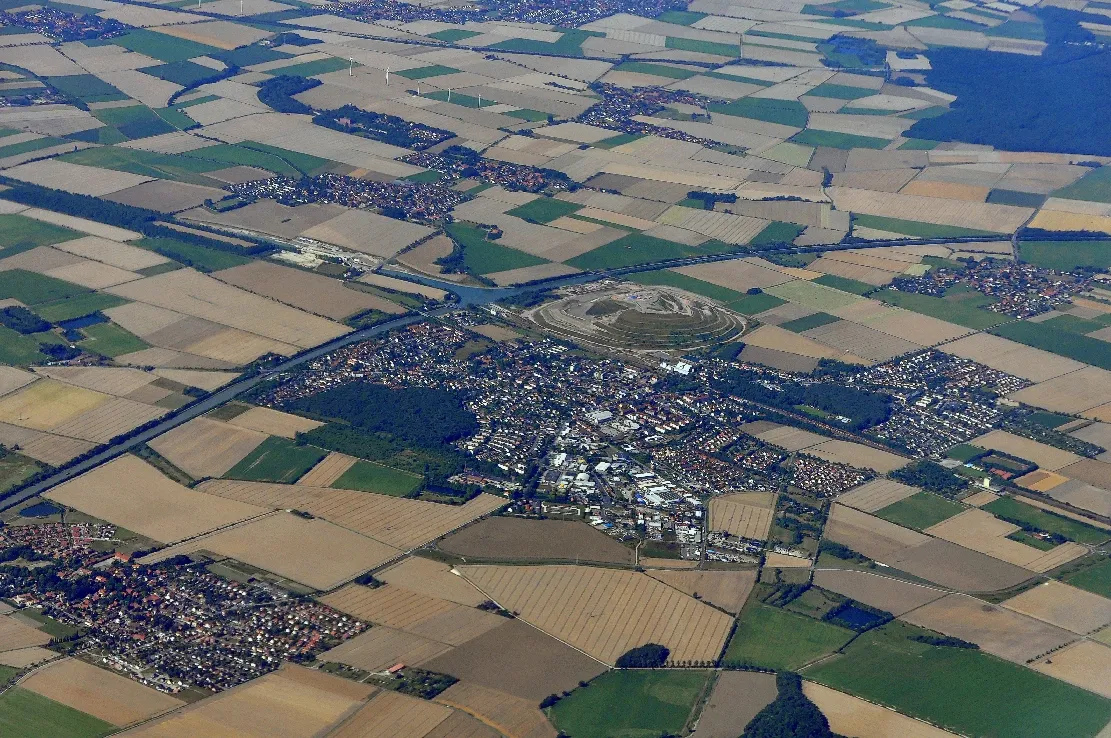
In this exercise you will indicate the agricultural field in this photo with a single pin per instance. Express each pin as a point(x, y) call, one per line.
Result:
point(772, 638)
point(370, 477)
point(276, 460)
point(512, 539)
point(920, 510)
point(624, 704)
point(24, 714)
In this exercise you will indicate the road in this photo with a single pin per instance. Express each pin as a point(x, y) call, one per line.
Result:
point(467, 296)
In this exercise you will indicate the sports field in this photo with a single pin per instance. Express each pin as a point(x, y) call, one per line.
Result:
point(773, 638)
point(920, 510)
point(276, 460)
point(369, 477)
point(962, 690)
point(631, 704)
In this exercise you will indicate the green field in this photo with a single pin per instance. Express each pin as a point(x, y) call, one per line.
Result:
point(1011, 509)
point(33, 145)
point(915, 228)
point(453, 35)
point(367, 476)
point(753, 304)
point(659, 70)
point(840, 92)
point(631, 704)
point(965, 452)
point(1014, 197)
point(163, 47)
point(532, 116)
point(204, 259)
point(805, 323)
point(703, 47)
point(1095, 578)
point(276, 460)
point(772, 638)
point(1081, 326)
point(1074, 346)
point(833, 139)
point(786, 112)
point(953, 310)
point(486, 257)
point(544, 210)
point(312, 68)
point(637, 248)
point(86, 87)
point(32, 288)
point(253, 154)
point(669, 278)
point(163, 166)
point(14, 468)
point(182, 73)
point(434, 70)
point(108, 339)
point(962, 690)
point(845, 284)
point(24, 714)
point(20, 233)
point(680, 17)
point(569, 44)
point(920, 510)
point(18, 349)
point(1095, 186)
point(77, 306)
point(1065, 256)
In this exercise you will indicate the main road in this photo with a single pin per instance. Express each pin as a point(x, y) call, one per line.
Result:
point(467, 296)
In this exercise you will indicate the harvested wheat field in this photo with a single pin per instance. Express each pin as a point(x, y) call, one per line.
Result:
point(1014, 358)
point(981, 531)
point(14, 634)
point(133, 494)
point(995, 629)
point(517, 658)
point(112, 418)
point(605, 612)
point(740, 275)
point(312, 292)
point(858, 455)
point(1046, 457)
point(12, 379)
point(274, 422)
point(45, 404)
point(115, 381)
point(876, 495)
point(1040, 481)
point(1086, 664)
point(1075, 392)
point(785, 436)
point(314, 552)
point(204, 447)
point(21, 658)
point(196, 294)
point(1064, 606)
point(874, 537)
point(432, 578)
point(403, 524)
point(428, 617)
point(292, 702)
point(745, 514)
point(852, 716)
point(876, 590)
point(518, 539)
point(737, 697)
point(860, 340)
point(380, 648)
point(461, 725)
point(112, 698)
point(1091, 471)
point(55, 450)
point(725, 589)
point(330, 468)
point(511, 716)
point(393, 715)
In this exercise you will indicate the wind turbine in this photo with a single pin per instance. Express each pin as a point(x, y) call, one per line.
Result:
point(351, 67)
point(449, 94)
point(387, 76)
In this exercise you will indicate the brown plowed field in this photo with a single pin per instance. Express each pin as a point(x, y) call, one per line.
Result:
point(404, 524)
point(393, 715)
point(512, 716)
point(995, 629)
point(462, 725)
point(312, 292)
point(725, 589)
point(204, 447)
point(746, 514)
point(737, 697)
point(274, 422)
point(381, 647)
point(874, 537)
point(893, 595)
point(14, 634)
point(292, 702)
point(517, 539)
point(605, 612)
point(518, 659)
point(1064, 606)
point(134, 495)
point(313, 552)
point(100, 693)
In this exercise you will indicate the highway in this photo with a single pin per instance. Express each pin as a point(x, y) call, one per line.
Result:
point(467, 296)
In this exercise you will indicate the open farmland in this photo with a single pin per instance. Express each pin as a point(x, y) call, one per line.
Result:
point(1086, 664)
point(736, 698)
point(370, 477)
point(204, 447)
point(381, 647)
point(14, 634)
point(773, 638)
point(850, 715)
point(664, 615)
point(511, 716)
point(289, 703)
point(432, 578)
point(725, 589)
point(540, 665)
point(276, 460)
point(746, 514)
point(273, 422)
point(515, 539)
point(626, 703)
point(877, 590)
point(944, 686)
point(414, 613)
point(315, 553)
point(876, 495)
point(312, 292)
point(1064, 606)
point(133, 494)
point(102, 694)
point(24, 714)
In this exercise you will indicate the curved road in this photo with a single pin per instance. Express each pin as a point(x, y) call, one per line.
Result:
point(466, 295)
